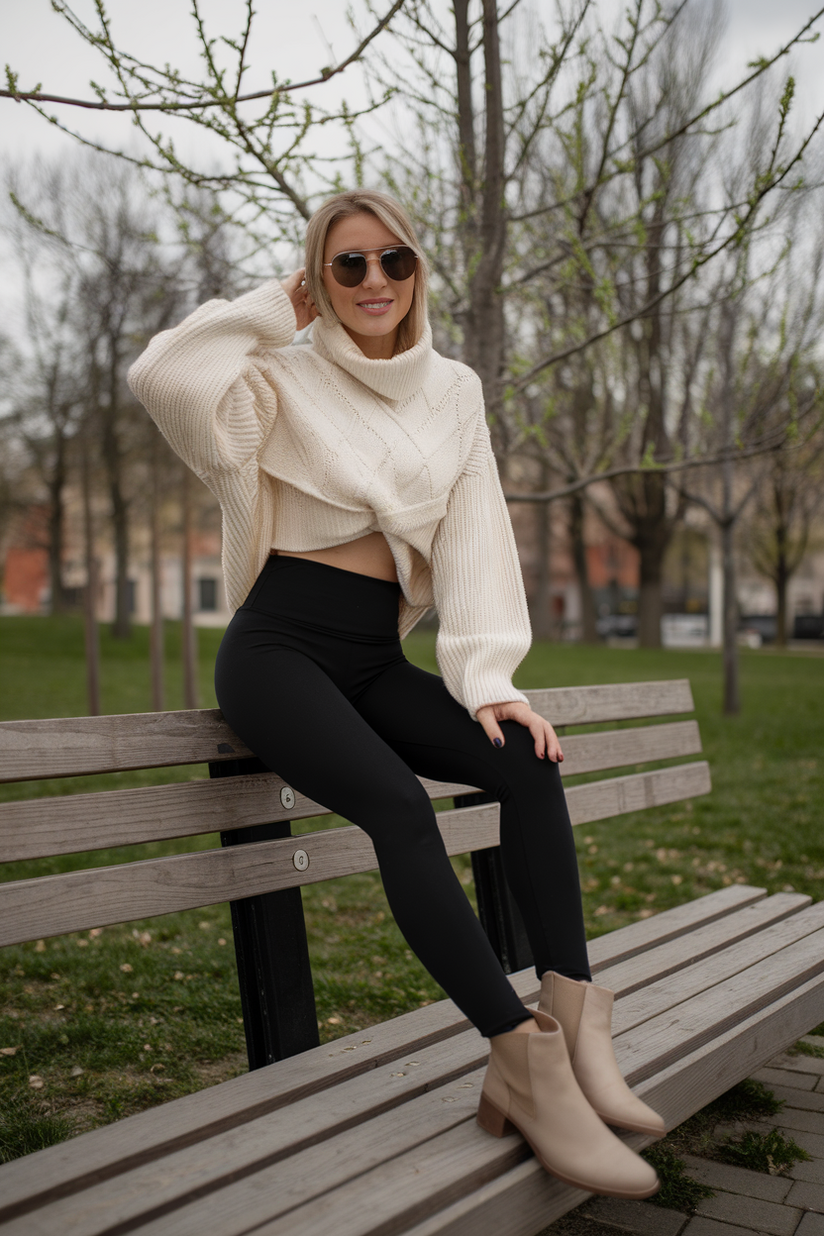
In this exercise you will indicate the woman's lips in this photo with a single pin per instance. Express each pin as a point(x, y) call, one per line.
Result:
point(375, 307)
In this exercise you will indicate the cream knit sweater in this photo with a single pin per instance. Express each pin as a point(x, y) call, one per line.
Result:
point(311, 446)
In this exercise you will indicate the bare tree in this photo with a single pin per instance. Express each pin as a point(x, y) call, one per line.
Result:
point(791, 495)
point(761, 395)
point(564, 203)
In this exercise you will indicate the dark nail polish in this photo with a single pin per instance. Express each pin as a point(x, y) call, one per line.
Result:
point(497, 742)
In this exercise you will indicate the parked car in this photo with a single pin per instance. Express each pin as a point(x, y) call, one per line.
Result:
point(808, 626)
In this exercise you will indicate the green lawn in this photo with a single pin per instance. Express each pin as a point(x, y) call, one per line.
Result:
point(108, 1022)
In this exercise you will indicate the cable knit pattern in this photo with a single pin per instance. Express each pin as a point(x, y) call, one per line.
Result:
point(311, 446)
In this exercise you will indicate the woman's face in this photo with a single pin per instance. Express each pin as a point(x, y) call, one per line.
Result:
point(371, 312)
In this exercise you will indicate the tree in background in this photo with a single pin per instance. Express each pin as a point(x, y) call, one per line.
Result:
point(761, 396)
point(791, 495)
point(566, 193)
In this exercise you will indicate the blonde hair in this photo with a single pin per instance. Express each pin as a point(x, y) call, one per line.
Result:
point(393, 216)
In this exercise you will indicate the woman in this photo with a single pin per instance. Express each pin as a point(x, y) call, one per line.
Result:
point(358, 489)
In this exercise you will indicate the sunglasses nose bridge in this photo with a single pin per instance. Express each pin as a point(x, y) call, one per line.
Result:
point(374, 270)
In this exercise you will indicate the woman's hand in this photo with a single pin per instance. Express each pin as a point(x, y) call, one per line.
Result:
point(546, 740)
point(298, 293)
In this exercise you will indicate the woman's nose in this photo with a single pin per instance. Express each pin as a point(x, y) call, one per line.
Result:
point(374, 277)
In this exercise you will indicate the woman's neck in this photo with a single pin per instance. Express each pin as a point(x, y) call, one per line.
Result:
point(375, 347)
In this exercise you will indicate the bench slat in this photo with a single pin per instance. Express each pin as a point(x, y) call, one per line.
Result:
point(661, 994)
point(522, 1201)
point(628, 975)
point(389, 1197)
point(687, 1026)
point(193, 1119)
point(72, 823)
point(72, 746)
point(77, 900)
point(623, 701)
point(386, 1197)
point(264, 1141)
point(42, 827)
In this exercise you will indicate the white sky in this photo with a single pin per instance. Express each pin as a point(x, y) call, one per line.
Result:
point(293, 39)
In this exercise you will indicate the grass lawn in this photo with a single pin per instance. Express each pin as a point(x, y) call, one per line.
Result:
point(97, 1025)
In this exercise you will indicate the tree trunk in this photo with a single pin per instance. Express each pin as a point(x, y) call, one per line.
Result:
point(652, 536)
point(121, 627)
point(189, 648)
point(91, 632)
point(732, 700)
point(782, 578)
point(156, 648)
point(484, 334)
point(543, 625)
point(57, 516)
point(589, 626)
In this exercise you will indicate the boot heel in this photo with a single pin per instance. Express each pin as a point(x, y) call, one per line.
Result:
point(492, 1120)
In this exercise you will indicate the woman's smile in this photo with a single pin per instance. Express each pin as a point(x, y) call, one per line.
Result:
point(374, 307)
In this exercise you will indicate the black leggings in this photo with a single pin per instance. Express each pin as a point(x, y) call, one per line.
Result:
point(312, 677)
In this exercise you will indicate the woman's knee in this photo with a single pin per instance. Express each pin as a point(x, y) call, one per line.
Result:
point(401, 814)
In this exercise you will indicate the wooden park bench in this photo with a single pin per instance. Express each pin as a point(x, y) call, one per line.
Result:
point(373, 1133)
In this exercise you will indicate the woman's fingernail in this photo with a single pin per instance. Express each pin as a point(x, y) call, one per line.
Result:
point(497, 742)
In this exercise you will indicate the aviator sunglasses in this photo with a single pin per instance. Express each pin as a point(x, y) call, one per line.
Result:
point(349, 269)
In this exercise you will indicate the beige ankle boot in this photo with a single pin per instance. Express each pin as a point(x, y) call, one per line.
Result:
point(529, 1085)
point(585, 1013)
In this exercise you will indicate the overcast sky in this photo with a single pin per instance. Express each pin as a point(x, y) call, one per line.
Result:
point(297, 40)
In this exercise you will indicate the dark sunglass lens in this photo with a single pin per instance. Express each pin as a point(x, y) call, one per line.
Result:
point(399, 264)
point(349, 269)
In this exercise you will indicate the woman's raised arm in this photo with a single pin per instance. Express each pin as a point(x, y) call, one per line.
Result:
point(199, 383)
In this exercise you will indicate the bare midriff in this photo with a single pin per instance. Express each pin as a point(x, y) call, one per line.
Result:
point(368, 555)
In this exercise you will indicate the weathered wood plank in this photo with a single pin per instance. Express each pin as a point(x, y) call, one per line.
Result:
point(74, 901)
point(524, 1200)
point(686, 1027)
point(646, 1000)
point(613, 702)
point(713, 972)
point(686, 1085)
point(41, 827)
point(626, 942)
point(614, 748)
point(71, 746)
point(102, 1153)
point(261, 1148)
point(600, 800)
point(227, 1175)
point(628, 976)
point(398, 1193)
point(73, 823)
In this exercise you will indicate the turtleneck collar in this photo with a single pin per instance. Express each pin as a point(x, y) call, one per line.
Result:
point(396, 379)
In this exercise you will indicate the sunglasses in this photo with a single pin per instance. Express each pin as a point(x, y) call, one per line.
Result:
point(398, 263)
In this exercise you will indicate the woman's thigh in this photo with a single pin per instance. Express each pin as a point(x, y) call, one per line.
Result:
point(298, 722)
point(415, 714)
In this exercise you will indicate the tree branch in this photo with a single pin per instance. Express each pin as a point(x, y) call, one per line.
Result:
point(703, 461)
point(102, 105)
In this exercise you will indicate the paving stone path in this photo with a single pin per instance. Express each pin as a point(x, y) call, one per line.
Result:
point(745, 1202)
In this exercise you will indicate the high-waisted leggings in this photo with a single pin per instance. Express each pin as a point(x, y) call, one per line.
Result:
point(312, 677)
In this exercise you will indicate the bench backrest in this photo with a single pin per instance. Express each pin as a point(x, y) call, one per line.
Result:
point(99, 896)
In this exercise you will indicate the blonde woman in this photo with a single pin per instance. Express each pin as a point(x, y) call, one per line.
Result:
point(358, 490)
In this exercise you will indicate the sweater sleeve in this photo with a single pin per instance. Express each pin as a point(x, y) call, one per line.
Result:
point(201, 384)
point(484, 630)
